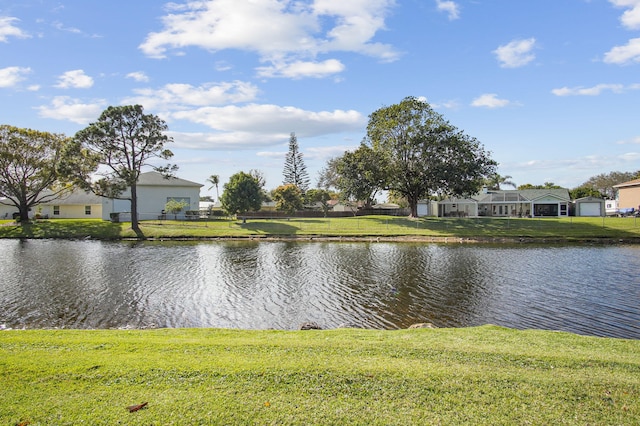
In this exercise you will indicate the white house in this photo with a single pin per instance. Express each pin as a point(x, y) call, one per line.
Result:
point(154, 191)
point(505, 203)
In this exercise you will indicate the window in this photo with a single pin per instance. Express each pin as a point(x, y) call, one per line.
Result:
point(56, 210)
point(87, 210)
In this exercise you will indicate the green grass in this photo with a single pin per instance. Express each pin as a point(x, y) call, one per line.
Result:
point(571, 228)
point(485, 375)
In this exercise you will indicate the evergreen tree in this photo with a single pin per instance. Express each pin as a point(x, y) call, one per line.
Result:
point(295, 171)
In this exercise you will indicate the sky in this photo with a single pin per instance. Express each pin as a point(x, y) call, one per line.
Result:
point(551, 88)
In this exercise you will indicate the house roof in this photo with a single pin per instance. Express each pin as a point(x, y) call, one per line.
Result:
point(635, 182)
point(513, 196)
point(522, 195)
point(75, 197)
point(157, 179)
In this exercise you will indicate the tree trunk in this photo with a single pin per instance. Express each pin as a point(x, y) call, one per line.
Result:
point(24, 214)
point(134, 211)
point(413, 206)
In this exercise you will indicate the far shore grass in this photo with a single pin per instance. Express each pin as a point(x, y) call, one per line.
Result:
point(379, 227)
point(478, 376)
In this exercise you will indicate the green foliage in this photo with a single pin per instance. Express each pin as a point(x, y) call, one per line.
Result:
point(496, 181)
point(584, 191)
point(425, 154)
point(124, 140)
point(174, 206)
point(37, 167)
point(328, 176)
point(321, 196)
point(481, 376)
point(605, 182)
point(362, 174)
point(242, 193)
point(288, 198)
point(546, 185)
point(295, 171)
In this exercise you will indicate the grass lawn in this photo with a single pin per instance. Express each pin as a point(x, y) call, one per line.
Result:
point(486, 375)
point(571, 228)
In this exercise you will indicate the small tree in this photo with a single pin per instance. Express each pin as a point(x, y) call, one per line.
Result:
point(214, 180)
point(362, 174)
point(174, 207)
point(125, 139)
point(295, 171)
point(288, 198)
point(321, 196)
point(38, 167)
point(241, 194)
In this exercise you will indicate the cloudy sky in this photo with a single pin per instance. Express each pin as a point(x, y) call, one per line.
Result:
point(550, 87)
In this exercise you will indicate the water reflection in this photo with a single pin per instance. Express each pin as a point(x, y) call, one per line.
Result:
point(243, 284)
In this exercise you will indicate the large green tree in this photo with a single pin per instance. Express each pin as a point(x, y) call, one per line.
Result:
point(37, 167)
point(295, 171)
point(425, 154)
point(241, 194)
point(362, 174)
point(604, 182)
point(125, 140)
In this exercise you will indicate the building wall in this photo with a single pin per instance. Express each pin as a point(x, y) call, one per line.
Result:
point(152, 201)
point(71, 211)
point(629, 197)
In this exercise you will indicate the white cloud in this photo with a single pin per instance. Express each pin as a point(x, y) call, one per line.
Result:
point(178, 95)
point(138, 76)
point(280, 32)
point(259, 125)
point(74, 79)
point(489, 100)
point(624, 54)
point(66, 108)
point(630, 18)
point(632, 141)
point(451, 7)
point(301, 69)
point(516, 53)
point(274, 119)
point(595, 90)
point(11, 76)
point(7, 29)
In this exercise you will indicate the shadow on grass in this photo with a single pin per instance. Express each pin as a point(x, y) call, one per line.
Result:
point(269, 227)
point(520, 227)
point(63, 229)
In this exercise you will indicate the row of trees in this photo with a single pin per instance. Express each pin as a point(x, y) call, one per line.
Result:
point(106, 158)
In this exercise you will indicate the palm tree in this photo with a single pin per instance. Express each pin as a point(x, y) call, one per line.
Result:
point(495, 181)
point(214, 180)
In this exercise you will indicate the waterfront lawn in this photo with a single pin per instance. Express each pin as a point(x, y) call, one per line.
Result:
point(485, 375)
point(367, 226)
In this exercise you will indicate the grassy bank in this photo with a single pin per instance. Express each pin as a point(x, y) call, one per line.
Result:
point(486, 375)
point(570, 228)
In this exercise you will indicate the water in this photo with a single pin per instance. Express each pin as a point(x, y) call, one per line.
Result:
point(591, 290)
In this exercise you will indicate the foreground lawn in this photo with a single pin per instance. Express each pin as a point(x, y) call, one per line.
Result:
point(486, 375)
point(570, 228)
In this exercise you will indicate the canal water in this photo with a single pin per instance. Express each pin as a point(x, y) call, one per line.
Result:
point(585, 289)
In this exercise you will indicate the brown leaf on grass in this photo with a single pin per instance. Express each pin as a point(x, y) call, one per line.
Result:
point(134, 408)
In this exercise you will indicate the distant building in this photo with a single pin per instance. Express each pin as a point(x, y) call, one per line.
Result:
point(629, 194)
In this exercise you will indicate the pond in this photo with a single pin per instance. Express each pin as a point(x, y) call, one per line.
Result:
point(585, 289)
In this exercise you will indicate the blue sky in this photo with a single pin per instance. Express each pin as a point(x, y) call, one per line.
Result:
point(550, 87)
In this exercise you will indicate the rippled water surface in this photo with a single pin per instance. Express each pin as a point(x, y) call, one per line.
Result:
point(593, 290)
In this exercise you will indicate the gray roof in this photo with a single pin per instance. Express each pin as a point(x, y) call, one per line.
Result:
point(521, 195)
point(157, 179)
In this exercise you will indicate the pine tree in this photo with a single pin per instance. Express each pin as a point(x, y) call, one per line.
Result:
point(295, 172)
